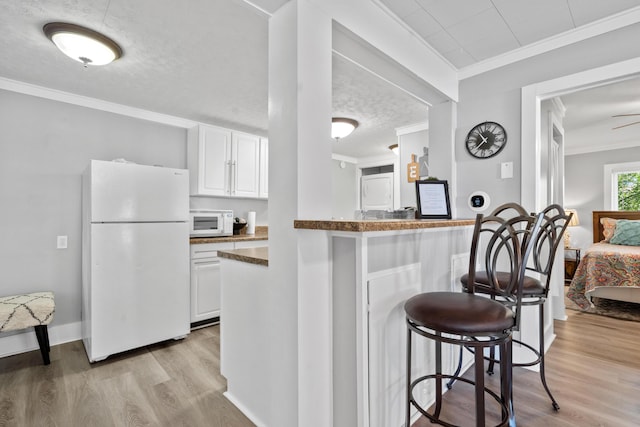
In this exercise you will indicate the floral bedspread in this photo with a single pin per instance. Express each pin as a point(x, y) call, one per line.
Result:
point(605, 265)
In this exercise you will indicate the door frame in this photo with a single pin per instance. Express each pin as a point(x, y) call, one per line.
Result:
point(531, 126)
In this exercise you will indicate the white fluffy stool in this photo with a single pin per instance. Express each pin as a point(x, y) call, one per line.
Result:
point(27, 310)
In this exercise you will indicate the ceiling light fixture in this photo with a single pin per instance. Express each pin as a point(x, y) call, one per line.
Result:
point(342, 127)
point(82, 44)
point(394, 148)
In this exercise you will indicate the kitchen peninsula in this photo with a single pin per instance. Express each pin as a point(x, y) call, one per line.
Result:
point(375, 266)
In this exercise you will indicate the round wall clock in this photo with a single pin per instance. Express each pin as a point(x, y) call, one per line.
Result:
point(486, 140)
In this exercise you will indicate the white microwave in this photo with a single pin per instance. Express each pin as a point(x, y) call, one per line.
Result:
point(211, 223)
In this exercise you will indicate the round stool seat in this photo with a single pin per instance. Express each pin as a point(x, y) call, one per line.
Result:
point(530, 288)
point(459, 313)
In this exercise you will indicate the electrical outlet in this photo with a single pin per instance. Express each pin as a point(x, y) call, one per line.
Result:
point(62, 242)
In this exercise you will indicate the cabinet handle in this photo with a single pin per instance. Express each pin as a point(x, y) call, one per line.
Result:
point(233, 177)
point(228, 189)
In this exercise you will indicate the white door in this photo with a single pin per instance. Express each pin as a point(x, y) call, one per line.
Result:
point(376, 191)
point(139, 285)
point(125, 192)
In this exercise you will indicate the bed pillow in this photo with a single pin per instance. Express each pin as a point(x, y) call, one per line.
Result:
point(609, 227)
point(627, 233)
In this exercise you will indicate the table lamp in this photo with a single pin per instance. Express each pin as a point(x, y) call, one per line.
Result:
point(574, 221)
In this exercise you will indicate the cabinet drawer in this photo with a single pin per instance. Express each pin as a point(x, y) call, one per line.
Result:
point(209, 250)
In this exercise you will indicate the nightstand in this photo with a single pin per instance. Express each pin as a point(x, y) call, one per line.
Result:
point(571, 261)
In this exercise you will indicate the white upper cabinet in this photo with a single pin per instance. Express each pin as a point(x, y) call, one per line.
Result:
point(245, 165)
point(264, 168)
point(224, 163)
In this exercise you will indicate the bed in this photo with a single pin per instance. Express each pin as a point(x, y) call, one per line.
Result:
point(607, 270)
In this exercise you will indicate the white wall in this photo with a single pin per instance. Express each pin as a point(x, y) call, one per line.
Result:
point(44, 147)
point(344, 189)
point(496, 96)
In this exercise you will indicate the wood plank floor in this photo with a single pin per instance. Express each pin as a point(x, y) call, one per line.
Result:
point(593, 369)
point(176, 383)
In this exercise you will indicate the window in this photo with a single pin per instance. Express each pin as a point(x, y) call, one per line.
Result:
point(622, 186)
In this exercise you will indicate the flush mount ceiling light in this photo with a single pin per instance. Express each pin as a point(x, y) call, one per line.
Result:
point(394, 148)
point(82, 44)
point(341, 127)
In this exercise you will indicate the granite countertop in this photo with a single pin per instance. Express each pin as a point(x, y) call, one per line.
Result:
point(259, 256)
point(261, 234)
point(379, 225)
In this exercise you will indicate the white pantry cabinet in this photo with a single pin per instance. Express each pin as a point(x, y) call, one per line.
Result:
point(223, 162)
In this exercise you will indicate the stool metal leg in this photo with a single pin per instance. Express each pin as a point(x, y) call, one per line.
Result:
point(542, 373)
point(506, 378)
point(438, 381)
point(479, 380)
point(408, 358)
point(458, 369)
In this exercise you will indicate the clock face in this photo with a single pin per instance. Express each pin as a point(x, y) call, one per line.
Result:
point(486, 140)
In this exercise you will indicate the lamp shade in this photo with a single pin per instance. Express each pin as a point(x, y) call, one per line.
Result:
point(574, 219)
point(342, 127)
point(394, 148)
point(82, 44)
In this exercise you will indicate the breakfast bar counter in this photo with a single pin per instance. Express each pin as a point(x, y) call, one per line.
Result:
point(358, 314)
point(353, 279)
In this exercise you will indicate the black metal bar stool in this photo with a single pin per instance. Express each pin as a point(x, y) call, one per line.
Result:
point(534, 292)
point(474, 320)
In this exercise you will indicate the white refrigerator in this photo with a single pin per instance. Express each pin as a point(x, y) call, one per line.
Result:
point(135, 256)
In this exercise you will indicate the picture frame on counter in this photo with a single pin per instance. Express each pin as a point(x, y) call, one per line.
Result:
point(432, 197)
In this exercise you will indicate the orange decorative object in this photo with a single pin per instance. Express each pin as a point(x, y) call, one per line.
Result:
point(413, 169)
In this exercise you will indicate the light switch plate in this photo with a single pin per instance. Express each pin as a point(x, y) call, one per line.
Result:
point(506, 170)
point(62, 242)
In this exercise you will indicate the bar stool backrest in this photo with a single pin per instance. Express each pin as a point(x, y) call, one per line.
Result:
point(552, 230)
point(502, 247)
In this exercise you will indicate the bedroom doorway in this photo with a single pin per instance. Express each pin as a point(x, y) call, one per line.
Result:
point(535, 176)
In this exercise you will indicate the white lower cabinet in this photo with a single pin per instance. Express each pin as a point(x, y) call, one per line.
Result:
point(205, 280)
point(205, 277)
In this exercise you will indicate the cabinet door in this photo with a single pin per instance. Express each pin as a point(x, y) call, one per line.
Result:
point(205, 289)
point(387, 292)
point(209, 160)
point(264, 168)
point(245, 165)
point(377, 191)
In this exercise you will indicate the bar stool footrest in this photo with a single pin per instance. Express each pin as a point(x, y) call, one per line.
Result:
point(435, 419)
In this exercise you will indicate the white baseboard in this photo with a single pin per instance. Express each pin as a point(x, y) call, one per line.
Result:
point(24, 341)
point(243, 409)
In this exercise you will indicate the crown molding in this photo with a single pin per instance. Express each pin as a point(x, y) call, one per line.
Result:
point(96, 104)
point(593, 29)
point(416, 127)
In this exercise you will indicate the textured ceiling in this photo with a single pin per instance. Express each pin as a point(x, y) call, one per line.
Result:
point(206, 60)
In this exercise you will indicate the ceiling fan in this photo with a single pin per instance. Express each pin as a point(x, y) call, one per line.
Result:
point(628, 124)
